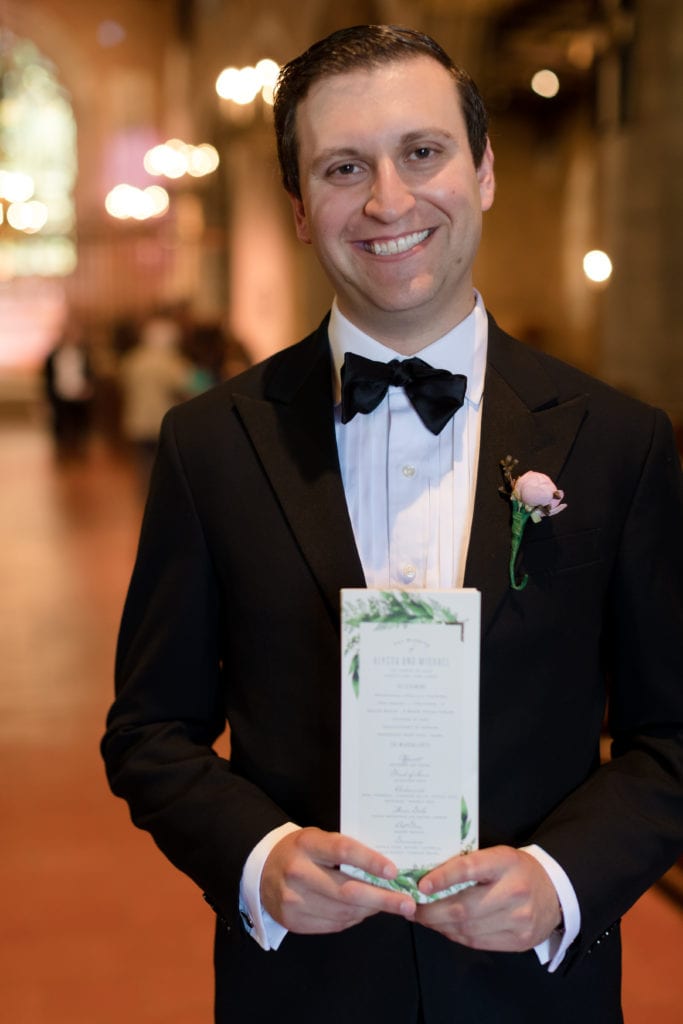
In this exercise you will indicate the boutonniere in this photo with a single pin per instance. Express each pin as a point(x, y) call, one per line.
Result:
point(533, 496)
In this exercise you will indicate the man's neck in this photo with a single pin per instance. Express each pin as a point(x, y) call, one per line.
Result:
point(407, 332)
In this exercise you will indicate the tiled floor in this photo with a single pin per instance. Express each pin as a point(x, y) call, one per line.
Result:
point(95, 926)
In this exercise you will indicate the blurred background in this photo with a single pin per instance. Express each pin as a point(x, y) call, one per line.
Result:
point(146, 252)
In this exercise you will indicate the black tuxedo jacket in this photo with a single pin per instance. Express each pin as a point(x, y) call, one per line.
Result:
point(233, 614)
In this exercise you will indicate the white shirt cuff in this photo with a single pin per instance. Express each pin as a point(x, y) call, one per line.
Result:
point(552, 950)
point(257, 921)
point(269, 933)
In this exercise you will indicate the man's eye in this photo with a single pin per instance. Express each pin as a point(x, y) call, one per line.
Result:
point(344, 170)
point(423, 152)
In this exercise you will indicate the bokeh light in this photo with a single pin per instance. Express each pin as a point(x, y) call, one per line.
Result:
point(127, 201)
point(29, 217)
point(545, 83)
point(15, 186)
point(242, 85)
point(175, 158)
point(597, 266)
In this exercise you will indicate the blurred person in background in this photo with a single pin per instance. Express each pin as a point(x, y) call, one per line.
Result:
point(69, 389)
point(153, 376)
point(216, 354)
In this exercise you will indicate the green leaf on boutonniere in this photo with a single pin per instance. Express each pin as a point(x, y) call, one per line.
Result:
point(532, 496)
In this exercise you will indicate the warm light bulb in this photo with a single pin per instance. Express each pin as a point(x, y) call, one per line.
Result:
point(202, 160)
point(226, 83)
point(126, 201)
point(29, 217)
point(157, 199)
point(248, 86)
point(268, 70)
point(242, 85)
point(15, 186)
point(545, 83)
point(597, 266)
point(153, 161)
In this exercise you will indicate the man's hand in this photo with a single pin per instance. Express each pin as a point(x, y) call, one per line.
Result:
point(303, 888)
point(513, 908)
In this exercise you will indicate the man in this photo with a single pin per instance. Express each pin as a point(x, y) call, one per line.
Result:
point(264, 503)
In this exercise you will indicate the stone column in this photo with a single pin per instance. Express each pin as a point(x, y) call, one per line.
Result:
point(642, 342)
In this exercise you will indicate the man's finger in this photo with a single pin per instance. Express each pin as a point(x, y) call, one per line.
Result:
point(332, 849)
point(481, 866)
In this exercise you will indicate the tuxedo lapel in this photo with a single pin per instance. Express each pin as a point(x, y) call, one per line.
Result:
point(292, 431)
point(522, 417)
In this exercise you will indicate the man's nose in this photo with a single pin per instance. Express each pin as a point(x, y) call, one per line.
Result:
point(390, 197)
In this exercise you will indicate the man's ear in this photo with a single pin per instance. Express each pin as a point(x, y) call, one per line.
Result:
point(486, 178)
point(300, 220)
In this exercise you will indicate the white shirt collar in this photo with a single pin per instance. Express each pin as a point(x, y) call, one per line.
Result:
point(461, 350)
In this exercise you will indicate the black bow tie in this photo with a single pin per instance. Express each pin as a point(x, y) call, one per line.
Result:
point(435, 394)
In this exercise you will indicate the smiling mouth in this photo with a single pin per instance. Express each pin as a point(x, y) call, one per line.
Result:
point(393, 246)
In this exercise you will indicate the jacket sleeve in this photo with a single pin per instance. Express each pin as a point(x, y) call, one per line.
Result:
point(623, 828)
point(169, 709)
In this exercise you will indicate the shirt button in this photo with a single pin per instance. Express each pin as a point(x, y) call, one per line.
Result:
point(408, 470)
point(408, 572)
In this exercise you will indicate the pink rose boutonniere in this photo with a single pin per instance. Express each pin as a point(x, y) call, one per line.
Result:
point(532, 496)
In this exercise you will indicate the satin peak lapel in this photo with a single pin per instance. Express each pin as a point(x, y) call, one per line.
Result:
point(292, 431)
point(522, 417)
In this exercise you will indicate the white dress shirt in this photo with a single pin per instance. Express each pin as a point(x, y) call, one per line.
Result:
point(410, 496)
point(409, 492)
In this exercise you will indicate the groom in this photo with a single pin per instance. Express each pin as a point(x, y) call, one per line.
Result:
point(317, 470)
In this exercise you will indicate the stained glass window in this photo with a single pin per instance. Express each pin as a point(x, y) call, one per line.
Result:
point(38, 165)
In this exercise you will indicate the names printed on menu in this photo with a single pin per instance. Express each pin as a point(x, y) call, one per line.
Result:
point(409, 801)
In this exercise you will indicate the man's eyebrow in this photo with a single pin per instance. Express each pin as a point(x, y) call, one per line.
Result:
point(420, 133)
point(352, 152)
point(337, 153)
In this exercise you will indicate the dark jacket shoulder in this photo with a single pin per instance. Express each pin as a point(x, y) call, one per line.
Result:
point(277, 377)
point(543, 381)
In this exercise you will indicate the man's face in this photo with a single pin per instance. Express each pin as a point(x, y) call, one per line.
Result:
point(391, 199)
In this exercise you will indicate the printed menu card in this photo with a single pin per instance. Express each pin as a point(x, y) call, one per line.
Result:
point(410, 728)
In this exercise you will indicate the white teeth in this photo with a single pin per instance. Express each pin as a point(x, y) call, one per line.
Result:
point(396, 245)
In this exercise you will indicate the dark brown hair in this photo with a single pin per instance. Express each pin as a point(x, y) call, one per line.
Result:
point(363, 46)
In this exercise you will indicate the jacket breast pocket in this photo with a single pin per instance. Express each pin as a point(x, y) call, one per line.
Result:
point(560, 554)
